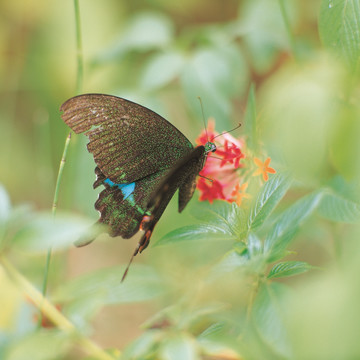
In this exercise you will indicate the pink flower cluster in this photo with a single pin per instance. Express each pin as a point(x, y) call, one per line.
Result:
point(220, 178)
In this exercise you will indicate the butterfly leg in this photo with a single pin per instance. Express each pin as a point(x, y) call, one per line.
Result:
point(147, 225)
point(144, 241)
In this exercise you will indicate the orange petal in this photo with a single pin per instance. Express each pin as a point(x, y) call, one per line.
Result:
point(258, 162)
point(267, 162)
point(244, 186)
point(257, 172)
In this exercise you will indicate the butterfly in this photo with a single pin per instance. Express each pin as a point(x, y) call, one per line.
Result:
point(141, 160)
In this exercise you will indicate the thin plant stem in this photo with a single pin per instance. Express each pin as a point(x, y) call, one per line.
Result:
point(288, 27)
point(79, 80)
point(79, 51)
point(61, 168)
point(53, 210)
point(51, 313)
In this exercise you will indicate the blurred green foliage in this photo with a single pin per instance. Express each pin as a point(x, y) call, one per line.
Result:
point(218, 281)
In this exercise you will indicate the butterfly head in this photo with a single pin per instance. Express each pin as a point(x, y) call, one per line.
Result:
point(210, 147)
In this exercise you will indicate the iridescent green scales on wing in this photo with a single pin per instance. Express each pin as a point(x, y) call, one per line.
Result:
point(141, 159)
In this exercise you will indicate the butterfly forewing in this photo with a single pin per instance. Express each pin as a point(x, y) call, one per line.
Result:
point(128, 141)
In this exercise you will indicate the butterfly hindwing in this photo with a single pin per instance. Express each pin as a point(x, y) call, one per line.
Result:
point(123, 206)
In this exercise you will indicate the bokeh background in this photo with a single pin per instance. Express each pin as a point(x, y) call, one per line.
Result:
point(163, 54)
point(153, 52)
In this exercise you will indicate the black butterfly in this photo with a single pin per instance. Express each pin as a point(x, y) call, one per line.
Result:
point(141, 160)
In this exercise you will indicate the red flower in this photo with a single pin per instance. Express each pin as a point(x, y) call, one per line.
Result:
point(224, 175)
point(210, 190)
point(207, 135)
point(231, 154)
point(221, 167)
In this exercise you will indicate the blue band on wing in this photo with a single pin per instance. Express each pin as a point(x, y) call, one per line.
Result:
point(126, 189)
point(109, 182)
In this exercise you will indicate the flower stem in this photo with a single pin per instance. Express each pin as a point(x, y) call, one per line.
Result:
point(79, 80)
point(51, 312)
point(53, 210)
point(61, 168)
point(79, 52)
point(288, 28)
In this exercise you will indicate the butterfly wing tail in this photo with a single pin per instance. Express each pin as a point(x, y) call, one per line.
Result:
point(90, 235)
point(83, 241)
point(149, 224)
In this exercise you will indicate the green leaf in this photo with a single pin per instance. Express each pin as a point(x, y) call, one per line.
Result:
point(40, 345)
point(221, 346)
point(5, 205)
point(262, 29)
point(5, 212)
point(338, 208)
point(144, 32)
point(230, 262)
point(240, 257)
point(289, 268)
point(213, 330)
point(42, 231)
point(18, 218)
point(141, 284)
point(206, 232)
point(221, 221)
point(250, 120)
point(199, 79)
point(339, 26)
point(192, 319)
point(148, 30)
point(143, 345)
point(178, 348)
point(349, 190)
point(234, 261)
point(269, 318)
point(287, 223)
point(161, 70)
point(228, 216)
point(270, 195)
point(255, 247)
point(214, 87)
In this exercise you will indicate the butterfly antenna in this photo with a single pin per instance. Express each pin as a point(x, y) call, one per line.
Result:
point(215, 157)
point(131, 260)
point(203, 116)
point(204, 177)
point(226, 132)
